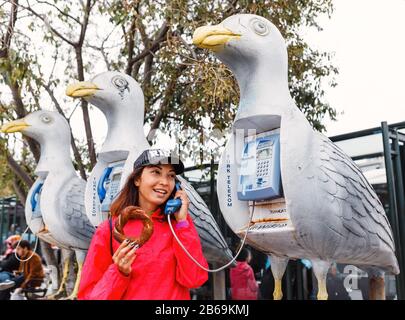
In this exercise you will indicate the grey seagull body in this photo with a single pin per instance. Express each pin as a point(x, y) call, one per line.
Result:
point(332, 212)
point(60, 218)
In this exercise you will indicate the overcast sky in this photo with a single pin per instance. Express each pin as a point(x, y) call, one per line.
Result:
point(368, 38)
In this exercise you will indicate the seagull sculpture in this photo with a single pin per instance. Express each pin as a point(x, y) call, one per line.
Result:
point(328, 212)
point(55, 203)
point(121, 100)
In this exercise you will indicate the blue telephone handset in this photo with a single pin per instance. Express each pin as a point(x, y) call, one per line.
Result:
point(34, 196)
point(172, 205)
point(100, 187)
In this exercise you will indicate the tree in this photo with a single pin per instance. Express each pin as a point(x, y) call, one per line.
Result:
point(188, 93)
point(186, 88)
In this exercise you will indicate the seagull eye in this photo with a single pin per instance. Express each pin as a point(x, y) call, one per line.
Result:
point(260, 27)
point(120, 82)
point(46, 119)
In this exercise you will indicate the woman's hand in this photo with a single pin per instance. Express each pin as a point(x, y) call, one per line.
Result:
point(124, 256)
point(181, 214)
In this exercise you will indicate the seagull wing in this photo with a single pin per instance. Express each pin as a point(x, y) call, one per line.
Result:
point(357, 226)
point(76, 222)
point(213, 243)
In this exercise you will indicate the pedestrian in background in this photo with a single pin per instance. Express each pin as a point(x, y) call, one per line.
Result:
point(242, 278)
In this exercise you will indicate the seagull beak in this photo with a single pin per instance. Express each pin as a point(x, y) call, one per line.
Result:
point(213, 37)
point(14, 126)
point(81, 89)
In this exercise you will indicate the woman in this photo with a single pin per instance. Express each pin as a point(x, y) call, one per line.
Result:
point(159, 269)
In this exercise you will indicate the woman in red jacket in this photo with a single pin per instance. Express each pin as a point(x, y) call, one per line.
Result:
point(159, 269)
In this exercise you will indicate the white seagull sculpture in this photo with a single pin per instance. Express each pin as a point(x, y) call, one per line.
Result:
point(121, 100)
point(55, 203)
point(331, 213)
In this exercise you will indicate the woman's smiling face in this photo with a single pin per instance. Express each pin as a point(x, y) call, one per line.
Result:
point(155, 185)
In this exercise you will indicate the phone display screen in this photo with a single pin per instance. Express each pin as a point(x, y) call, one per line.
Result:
point(263, 154)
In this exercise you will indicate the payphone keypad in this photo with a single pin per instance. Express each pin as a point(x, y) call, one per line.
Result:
point(264, 156)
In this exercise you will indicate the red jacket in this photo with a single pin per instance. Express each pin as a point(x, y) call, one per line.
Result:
point(161, 270)
point(243, 283)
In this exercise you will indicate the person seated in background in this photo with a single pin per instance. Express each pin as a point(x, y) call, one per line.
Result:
point(9, 262)
point(10, 241)
point(242, 278)
point(8, 266)
point(30, 272)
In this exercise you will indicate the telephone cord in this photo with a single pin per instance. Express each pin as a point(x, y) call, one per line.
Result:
point(33, 251)
point(229, 263)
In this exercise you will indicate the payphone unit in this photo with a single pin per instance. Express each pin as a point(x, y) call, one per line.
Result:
point(260, 176)
point(35, 199)
point(109, 183)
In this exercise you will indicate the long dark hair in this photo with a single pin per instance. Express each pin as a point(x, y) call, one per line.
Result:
point(129, 195)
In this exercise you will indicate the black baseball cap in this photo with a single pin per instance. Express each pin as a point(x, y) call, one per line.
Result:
point(159, 156)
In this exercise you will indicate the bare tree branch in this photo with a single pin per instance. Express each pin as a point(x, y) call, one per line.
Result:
point(80, 68)
point(55, 60)
point(21, 113)
point(135, 69)
point(21, 194)
point(102, 49)
point(165, 103)
point(80, 72)
point(193, 53)
point(13, 85)
point(48, 25)
point(85, 23)
point(18, 170)
point(130, 46)
point(60, 11)
point(142, 32)
point(232, 9)
point(153, 47)
point(5, 43)
point(76, 152)
point(34, 96)
point(147, 73)
point(103, 53)
point(85, 110)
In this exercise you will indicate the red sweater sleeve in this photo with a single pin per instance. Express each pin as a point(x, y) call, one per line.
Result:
point(253, 286)
point(188, 273)
point(100, 278)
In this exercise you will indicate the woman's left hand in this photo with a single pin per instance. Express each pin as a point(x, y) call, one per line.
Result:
point(181, 214)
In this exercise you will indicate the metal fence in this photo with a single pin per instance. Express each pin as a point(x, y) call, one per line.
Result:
point(12, 218)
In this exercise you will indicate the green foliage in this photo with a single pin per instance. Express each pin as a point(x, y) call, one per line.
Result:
point(204, 88)
point(6, 177)
point(84, 152)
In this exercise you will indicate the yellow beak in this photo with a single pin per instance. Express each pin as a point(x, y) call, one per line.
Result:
point(81, 89)
point(213, 37)
point(14, 126)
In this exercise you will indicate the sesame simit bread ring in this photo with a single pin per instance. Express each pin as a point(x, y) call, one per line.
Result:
point(128, 213)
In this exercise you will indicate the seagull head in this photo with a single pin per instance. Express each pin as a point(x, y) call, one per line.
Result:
point(108, 90)
point(40, 125)
point(244, 42)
